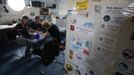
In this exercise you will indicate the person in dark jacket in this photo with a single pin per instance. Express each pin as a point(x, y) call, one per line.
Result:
point(36, 25)
point(22, 29)
point(48, 52)
point(23, 25)
point(52, 30)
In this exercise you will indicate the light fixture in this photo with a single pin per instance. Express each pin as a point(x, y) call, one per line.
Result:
point(17, 5)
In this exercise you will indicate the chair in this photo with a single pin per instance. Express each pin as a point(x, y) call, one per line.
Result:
point(17, 37)
point(48, 53)
point(24, 34)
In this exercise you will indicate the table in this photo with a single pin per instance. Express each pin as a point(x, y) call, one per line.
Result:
point(33, 43)
point(42, 36)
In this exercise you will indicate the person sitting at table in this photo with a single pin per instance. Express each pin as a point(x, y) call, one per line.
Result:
point(52, 30)
point(23, 23)
point(36, 25)
point(52, 33)
point(22, 27)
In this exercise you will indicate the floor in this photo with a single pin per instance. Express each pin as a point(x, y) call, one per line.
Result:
point(12, 62)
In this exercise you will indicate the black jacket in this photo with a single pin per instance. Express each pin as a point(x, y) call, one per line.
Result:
point(49, 52)
point(54, 32)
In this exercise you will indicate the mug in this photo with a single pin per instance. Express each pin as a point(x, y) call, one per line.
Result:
point(37, 35)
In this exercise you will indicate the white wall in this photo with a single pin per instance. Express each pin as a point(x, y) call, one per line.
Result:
point(62, 8)
point(65, 5)
point(6, 18)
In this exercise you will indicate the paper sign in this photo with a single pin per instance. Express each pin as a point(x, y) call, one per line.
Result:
point(96, 0)
point(86, 27)
point(85, 31)
point(101, 58)
point(111, 19)
point(82, 22)
point(80, 44)
point(112, 14)
point(111, 28)
point(104, 55)
point(79, 60)
point(107, 41)
point(82, 5)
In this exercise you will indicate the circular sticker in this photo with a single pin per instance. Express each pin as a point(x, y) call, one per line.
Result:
point(98, 48)
point(74, 21)
point(91, 73)
point(103, 26)
point(123, 66)
point(101, 38)
point(106, 18)
point(69, 67)
point(77, 72)
point(128, 53)
point(87, 74)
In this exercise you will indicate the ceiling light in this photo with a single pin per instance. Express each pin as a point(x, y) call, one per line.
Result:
point(17, 5)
